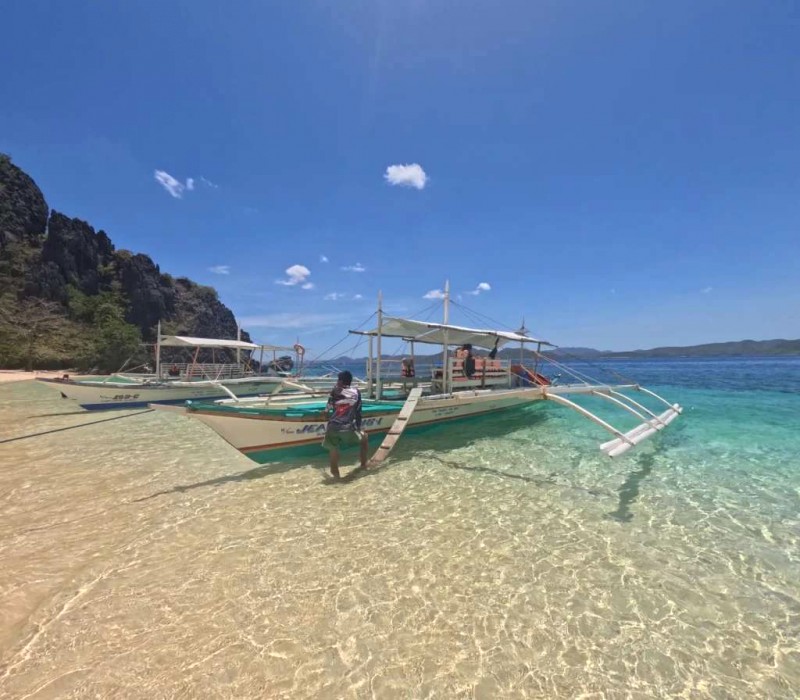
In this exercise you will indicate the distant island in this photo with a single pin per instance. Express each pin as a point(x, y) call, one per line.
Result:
point(69, 298)
point(739, 348)
point(736, 348)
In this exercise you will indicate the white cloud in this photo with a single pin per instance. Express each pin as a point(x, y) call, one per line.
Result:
point(323, 258)
point(358, 267)
point(406, 175)
point(220, 269)
point(175, 187)
point(339, 296)
point(706, 290)
point(297, 274)
point(171, 185)
point(482, 287)
point(434, 294)
point(208, 183)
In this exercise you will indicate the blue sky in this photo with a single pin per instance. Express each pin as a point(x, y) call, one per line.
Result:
point(622, 174)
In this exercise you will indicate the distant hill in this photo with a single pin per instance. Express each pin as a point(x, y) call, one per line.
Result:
point(741, 348)
point(69, 298)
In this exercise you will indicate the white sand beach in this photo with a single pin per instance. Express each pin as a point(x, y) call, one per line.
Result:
point(18, 375)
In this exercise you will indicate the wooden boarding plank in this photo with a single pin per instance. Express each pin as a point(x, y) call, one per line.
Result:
point(397, 428)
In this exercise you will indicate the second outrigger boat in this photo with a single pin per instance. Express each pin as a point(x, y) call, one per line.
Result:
point(180, 382)
point(263, 429)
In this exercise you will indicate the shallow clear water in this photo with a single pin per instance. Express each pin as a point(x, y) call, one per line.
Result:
point(506, 557)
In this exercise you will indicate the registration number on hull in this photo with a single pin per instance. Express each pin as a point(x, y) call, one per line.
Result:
point(314, 428)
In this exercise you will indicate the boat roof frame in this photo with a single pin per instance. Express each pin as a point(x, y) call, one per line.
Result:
point(483, 337)
point(185, 341)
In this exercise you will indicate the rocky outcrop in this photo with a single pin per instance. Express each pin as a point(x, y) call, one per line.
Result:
point(57, 258)
point(73, 254)
point(203, 313)
point(23, 210)
point(151, 296)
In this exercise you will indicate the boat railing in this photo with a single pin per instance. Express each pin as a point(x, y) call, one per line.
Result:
point(488, 374)
point(188, 371)
point(393, 371)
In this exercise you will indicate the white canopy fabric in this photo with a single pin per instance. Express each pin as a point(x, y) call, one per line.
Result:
point(184, 341)
point(438, 333)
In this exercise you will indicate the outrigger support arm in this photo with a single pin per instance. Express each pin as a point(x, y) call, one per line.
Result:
point(606, 395)
point(297, 385)
point(622, 442)
point(226, 390)
point(635, 403)
point(586, 414)
point(653, 394)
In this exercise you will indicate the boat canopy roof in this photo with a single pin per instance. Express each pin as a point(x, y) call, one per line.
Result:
point(439, 333)
point(185, 341)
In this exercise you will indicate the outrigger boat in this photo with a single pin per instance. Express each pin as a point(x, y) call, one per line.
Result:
point(264, 428)
point(182, 381)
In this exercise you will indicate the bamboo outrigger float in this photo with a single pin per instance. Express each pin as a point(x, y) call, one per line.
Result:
point(263, 429)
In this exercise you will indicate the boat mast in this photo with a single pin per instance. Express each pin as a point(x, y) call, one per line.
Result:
point(158, 351)
point(522, 331)
point(370, 377)
point(445, 383)
point(379, 379)
point(238, 350)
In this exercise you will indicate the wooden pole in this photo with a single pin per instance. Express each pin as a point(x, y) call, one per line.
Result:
point(238, 350)
point(445, 358)
point(379, 380)
point(158, 351)
point(370, 360)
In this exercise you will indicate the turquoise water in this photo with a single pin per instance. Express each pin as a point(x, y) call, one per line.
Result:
point(500, 557)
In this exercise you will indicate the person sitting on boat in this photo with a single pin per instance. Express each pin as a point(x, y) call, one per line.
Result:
point(174, 371)
point(407, 367)
point(344, 424)
point(469, 361)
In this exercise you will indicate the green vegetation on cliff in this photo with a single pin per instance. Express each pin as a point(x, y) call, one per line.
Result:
point(68, 298)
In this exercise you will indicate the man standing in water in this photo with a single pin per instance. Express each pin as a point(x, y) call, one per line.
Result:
point(344, 425)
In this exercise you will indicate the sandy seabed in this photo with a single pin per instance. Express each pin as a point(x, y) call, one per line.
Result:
point(143, 557)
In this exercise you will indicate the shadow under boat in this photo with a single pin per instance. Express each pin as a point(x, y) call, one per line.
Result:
point(424, 438)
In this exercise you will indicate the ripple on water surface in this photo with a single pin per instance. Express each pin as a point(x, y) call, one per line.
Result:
point(500, 558)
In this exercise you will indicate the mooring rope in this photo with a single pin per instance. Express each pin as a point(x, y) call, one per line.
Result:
point(72, 427)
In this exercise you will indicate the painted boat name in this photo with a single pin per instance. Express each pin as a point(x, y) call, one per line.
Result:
point(313, 428)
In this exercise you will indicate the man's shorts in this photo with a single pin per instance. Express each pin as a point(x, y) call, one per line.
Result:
point(341, 439)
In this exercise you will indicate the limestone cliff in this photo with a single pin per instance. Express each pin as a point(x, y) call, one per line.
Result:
point(72, 279)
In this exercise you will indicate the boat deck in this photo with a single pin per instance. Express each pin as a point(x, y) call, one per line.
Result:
point(310, 410)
